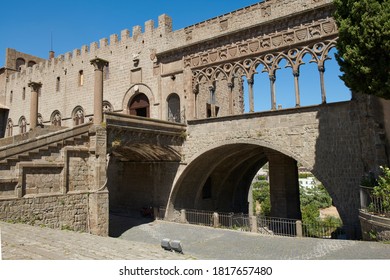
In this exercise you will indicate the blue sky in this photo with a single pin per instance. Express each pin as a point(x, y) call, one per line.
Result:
point(29, 25)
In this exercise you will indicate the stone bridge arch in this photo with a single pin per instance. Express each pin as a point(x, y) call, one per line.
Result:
point(228, 168)
point(324, 139)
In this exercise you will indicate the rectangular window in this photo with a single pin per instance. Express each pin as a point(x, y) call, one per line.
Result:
point(24, 93)
point(81, 78)
point(58, 84)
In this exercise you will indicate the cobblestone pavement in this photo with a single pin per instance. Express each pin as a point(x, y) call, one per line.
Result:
point(135, 240)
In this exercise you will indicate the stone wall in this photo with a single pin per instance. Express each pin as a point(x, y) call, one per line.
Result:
point(56, 211)
point(374, 227)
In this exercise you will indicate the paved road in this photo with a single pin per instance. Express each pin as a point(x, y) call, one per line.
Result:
point(137, 239)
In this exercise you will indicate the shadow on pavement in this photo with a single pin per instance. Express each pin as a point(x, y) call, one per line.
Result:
point(121, 221)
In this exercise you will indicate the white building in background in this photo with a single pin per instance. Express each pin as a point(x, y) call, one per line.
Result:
point(308, 182)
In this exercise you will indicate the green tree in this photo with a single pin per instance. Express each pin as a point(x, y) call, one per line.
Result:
point(364, 45)
point(261, 193)
point(382, 189)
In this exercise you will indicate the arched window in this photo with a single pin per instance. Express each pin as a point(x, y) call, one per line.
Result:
point(107, 107)
point(56, 118)
point(10, 126)
point(40, 120)
point(31, 63)
point(58, 84)
point(139, 106)
point(78, 115)
point(19, 62)
point(22, 125)
point(174, 108)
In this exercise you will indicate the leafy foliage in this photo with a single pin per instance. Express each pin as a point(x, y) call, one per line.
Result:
point(364, 45)
point(318, 196)
point(261, 193)
point(382, 189)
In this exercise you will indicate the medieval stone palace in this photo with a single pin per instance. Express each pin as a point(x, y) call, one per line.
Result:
point(155, 117)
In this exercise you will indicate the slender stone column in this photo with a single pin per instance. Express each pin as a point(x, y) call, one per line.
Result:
point(296, 83)
point(321, 69)
point(231, 86)
point(212, 101)
point(251, 98)
point(34, 104)
point(195, 91)
point(99, 64)
point(272, 80)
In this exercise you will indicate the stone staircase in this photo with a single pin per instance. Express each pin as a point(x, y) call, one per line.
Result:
point(36, 147)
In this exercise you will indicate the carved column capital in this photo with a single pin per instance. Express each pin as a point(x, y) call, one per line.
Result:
point(296, 73)
point(35, 86)
point(99, 63)
point(250, 81)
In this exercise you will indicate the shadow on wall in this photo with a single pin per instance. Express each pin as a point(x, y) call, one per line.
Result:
point(134, 187)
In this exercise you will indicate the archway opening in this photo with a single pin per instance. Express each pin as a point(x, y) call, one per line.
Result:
point(226, 179)
point(139, 106)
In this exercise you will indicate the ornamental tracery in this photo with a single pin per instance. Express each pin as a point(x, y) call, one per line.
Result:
point(268, 62)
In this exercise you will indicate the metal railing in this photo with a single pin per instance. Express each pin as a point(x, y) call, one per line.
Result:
point(199, 217)
point(263, 225)
point(277, 226)
point(370, 202)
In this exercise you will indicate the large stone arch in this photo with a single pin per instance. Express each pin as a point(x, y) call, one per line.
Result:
point(231, 166)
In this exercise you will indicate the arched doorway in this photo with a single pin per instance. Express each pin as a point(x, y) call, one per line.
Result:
point(139, 106)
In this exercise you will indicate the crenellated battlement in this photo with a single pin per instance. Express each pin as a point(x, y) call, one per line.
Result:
point(130, 39)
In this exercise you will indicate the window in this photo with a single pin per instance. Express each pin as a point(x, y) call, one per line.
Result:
point(31, 63)
point(22, 125)
point(58, 84)
point(174, 108)
point(24, 93)
point(10, 126)
point(139, 106)
point(81, 78)
point(11, 95)
point(56, 118)
point(78, 116)
point(19, 62)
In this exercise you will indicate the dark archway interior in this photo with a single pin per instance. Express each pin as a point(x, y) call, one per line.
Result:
point(220, 179)
point(139, 106)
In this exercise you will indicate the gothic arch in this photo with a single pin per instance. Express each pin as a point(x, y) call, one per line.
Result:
point(10, 126)
point(55, 118)
point(78, 115)
point(22, 124)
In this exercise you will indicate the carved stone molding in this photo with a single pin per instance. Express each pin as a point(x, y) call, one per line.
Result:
point(301, 35)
